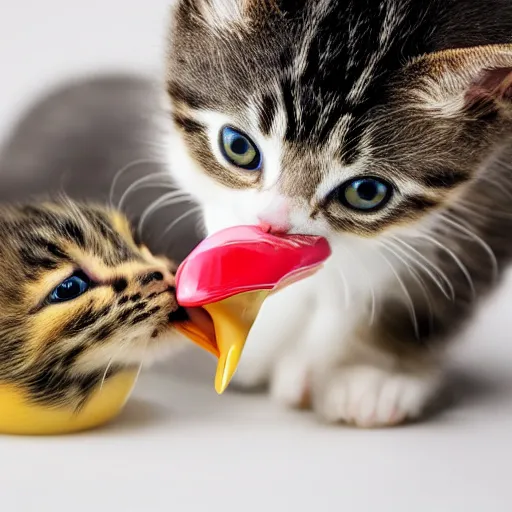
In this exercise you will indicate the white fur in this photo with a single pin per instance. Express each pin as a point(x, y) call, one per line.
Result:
point(221, 15)
point(369, 396)
point(304, 336)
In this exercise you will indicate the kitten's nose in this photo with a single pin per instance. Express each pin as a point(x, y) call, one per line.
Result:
point(275, 218)
point(157, 280)
point(275, 229)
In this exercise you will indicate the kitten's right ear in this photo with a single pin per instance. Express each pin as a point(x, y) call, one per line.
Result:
point(469, 80)
point(221, 15)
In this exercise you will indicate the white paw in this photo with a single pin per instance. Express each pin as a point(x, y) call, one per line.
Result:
point(290, 381)
point(370, 397)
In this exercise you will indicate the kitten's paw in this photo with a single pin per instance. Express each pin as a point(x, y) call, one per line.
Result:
point(290, 382)
point(370, 397)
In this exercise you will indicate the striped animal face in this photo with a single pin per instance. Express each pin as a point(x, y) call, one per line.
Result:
point(334, 117)
point(79, 300)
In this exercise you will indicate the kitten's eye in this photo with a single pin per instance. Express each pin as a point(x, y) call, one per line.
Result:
point(70, 289)
point(238, 149)
point(365, 194)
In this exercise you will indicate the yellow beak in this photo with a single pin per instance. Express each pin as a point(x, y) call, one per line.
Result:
point(222, 329)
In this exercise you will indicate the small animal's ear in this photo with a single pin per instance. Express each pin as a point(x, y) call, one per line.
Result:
point(476, 81)
point(224, 14)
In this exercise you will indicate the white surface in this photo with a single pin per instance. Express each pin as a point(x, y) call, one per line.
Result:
point(179, 447)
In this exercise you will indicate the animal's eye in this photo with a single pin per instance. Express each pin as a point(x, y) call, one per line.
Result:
point(70, 289)
point(238, 149)
point(365, 194)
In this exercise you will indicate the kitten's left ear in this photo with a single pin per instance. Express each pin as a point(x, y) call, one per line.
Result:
point(221, 14)
point(474, 80)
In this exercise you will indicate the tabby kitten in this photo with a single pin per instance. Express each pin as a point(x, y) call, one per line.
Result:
point(384, 125)
point(79, 300)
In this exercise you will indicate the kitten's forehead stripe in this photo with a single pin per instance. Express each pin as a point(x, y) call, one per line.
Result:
point(47, 232)
point(36, 260)
point(289, 95)
point(340, 52)
point(74, 232)
point(268, 113)
point(56, 251)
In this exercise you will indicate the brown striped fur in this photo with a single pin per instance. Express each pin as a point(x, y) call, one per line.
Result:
point(416, 94)
point(61, 352)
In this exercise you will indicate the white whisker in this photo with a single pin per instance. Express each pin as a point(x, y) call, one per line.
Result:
point(478, 240)
point(143, 359)
point(499, 186)
point(346, 290)
point(114, 356)
point(136, 185)
point(460, 221)
point(167, 199)
point(410, 303)
point(449, 295)
point(373, 307)
point(124, 169)
point(455, 258)
point(106, 372)
point(179, 219)
point(200, 227)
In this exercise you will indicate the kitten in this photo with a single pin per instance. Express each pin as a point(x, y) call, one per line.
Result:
point(79, 300)
point(384, 125)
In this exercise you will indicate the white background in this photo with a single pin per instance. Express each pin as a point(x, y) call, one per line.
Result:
point(43, 42)
point(179, 447)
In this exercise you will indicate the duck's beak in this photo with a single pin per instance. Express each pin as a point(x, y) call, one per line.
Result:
point(225, 279)
point(222, 328)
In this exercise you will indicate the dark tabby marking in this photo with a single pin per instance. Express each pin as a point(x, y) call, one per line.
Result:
point(413, 94)
point(59, 352)
point(120, 285)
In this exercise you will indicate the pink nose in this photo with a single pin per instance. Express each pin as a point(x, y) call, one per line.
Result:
point(275, 229)
point(275, 217)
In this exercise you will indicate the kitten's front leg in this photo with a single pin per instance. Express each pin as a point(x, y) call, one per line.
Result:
point(369, 393)
point(370, 374)
point(387, 371)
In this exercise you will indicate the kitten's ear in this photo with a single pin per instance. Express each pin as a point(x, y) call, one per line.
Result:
point(222, 14)
point(472, 80)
